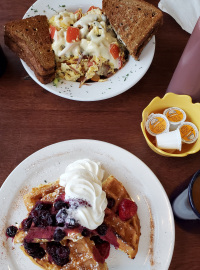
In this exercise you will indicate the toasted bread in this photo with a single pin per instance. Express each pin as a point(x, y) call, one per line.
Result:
point(30, 40)
point(134, 21)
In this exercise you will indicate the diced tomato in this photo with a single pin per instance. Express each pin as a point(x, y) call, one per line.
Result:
point(79, 14)
point(91, 63)
point(52, 31)
point(92, 7)
point(72, 34)
point(114, 50)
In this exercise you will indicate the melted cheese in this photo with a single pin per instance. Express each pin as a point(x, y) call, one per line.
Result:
point(63, 19)
point(95, 37)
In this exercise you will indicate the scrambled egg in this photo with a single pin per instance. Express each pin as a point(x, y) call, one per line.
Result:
point(85, 46)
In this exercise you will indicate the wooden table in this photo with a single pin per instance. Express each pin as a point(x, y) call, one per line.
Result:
point(32, 118)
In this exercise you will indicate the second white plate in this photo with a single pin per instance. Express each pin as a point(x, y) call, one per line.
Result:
point(157, 223)
point(123, 80)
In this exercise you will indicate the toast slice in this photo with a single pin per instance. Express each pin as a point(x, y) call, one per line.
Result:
point(30, 40)
point(134, 21)
point(127, 232)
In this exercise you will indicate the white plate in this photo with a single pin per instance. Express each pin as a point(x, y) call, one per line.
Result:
point(48, 163)
point(115, 85)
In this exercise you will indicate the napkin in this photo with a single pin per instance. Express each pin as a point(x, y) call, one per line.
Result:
point(185, 12)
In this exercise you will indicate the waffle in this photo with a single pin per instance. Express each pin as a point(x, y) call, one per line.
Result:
point(81, 248)
point(127, 232)
point(42, 192)
point(81, 256)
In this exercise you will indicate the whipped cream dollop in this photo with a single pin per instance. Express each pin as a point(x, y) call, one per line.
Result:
point(83, 189)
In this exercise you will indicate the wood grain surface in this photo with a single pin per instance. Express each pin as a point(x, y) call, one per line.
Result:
point(32, 118)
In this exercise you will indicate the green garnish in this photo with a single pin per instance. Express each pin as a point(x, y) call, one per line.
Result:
point(56, 81)
point(52, 8)
point(125, 77)
point(35, 10)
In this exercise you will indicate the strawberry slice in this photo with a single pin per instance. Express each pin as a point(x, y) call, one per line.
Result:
point(104, 249)
point(127, 209)
point(52, 30)
point(72, 34)
point(101, 251)
point(114, 50)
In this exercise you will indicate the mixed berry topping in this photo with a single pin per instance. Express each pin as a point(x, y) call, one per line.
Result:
point(60, 204)
point(96, 239)
point(85, 232)
point(75, 203)
point(61, 216)
point(34, 250)
point(42, 206)
point(101, 250)
point(58, 253)
point(43, 219)
point(102, 229)
point(46, 214)
point(111, 203)
point(71, 223)
point(11, 231)
point(59, 234)
point(104, 249)
point(41, 216)
point(26, 223)
point(127, 209)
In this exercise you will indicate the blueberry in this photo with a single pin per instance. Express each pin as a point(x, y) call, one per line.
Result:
point(71, 223)
point(111, 203)
point(42, 206)
point(102, 229)
point(61, 216)
point(11, 231)
point(59, 235)
point(58, 253)
point(96, 239)
point(60, 224)
point(34, 213)
point(54, 223)
point(44, 219)
point(26, 223)
point(60, 204)
point(34, 250)
point(85, 232)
